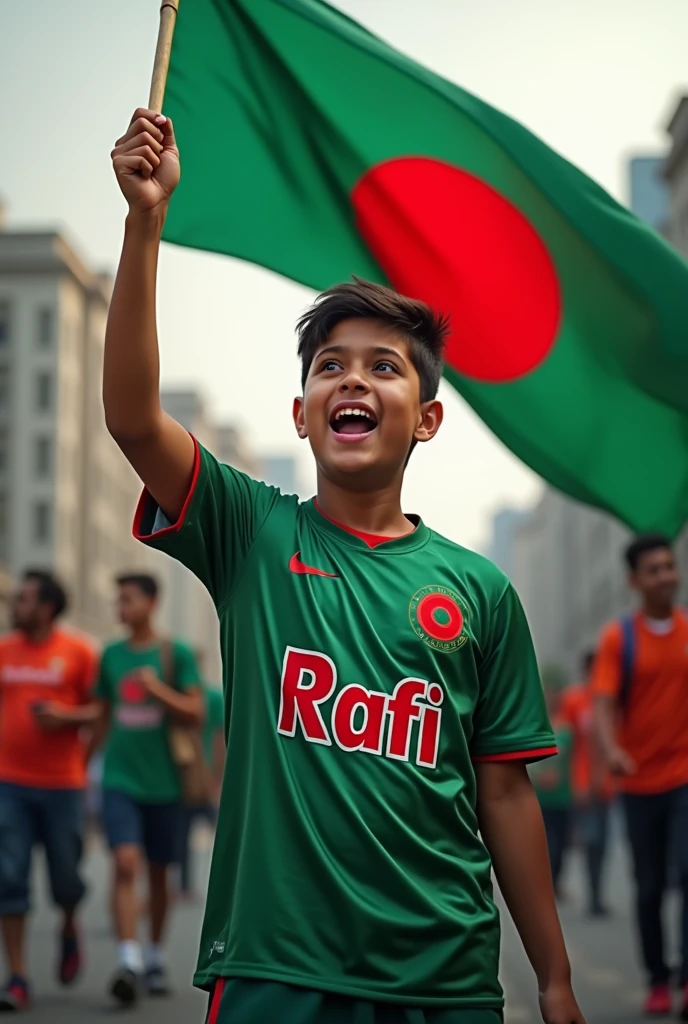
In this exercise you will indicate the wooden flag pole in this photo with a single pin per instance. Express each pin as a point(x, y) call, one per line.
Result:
point(168, 18)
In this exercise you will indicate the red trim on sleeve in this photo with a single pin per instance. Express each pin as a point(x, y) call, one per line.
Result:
point(517, 755)
point(146, 497)
point(214, 1011)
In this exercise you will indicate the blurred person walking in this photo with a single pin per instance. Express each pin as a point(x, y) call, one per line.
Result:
point(640, 681)
point(593, 787)
point(552, 782)
point(141, 788)
point(213, 737)
point(46, 676)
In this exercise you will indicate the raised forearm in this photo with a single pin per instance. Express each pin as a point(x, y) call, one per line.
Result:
point(131, 372)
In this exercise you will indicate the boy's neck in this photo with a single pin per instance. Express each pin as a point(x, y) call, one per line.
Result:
point(373, 512)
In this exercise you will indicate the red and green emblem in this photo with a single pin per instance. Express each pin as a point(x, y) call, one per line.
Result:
point(438, 617)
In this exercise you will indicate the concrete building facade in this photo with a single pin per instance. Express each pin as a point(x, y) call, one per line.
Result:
point(66, 494)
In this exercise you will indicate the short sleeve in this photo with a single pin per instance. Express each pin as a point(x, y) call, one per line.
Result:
point(606, 670)
point(103, 687)
point(186, 675)
point(510, 720)
point(217, 526)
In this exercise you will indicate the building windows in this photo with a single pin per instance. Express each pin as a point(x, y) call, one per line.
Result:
point(41, 522)
point(44, 392)
point(4, 324)
point(42, 457)
point(45, 322)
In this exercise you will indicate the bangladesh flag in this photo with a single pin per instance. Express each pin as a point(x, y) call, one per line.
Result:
point(311, 147)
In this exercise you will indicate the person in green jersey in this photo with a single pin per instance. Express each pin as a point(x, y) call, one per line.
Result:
point(141, 791)
point(213, 737)
point(382, 693)
point(553, 785)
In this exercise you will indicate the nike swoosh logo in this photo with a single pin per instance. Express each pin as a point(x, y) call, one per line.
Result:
point(297, 566)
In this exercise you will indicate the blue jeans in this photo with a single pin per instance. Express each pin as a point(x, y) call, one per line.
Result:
point(658, 831)
point(53, 818)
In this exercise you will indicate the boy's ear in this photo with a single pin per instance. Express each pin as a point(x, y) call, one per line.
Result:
point(431, 416)
point(299, 421)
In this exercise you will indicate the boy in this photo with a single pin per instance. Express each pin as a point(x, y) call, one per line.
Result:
point(642, 723)
point(141, 792)
point(46, 677)
point(382, 691)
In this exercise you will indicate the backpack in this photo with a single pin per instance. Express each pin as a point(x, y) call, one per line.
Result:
point(628, 647)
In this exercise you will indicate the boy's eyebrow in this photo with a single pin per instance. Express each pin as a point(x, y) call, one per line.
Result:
point(379, 350)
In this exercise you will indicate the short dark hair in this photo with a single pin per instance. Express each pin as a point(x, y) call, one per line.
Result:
point(642, 544)
point(50, 590)
point(423, 329)
point(146, 583)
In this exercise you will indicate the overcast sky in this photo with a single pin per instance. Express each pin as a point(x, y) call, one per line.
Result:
point(597, 79)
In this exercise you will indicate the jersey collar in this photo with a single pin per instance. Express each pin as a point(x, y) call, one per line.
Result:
point(410, 542)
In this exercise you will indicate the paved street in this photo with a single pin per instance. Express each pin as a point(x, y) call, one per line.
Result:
point(602, 952)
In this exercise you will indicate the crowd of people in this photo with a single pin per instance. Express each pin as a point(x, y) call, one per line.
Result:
point(61, 705)
point(622, 736)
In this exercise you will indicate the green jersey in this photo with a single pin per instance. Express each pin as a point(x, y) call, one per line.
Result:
point(137, 754)
point(552, 779)
point(214, 719)
point(361, 683)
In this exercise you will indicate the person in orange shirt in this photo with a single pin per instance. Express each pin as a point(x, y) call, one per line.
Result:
point(46, 676)
point(592, 786)
point(640, 683)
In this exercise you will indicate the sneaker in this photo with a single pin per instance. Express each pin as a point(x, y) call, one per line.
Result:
point(157, 982)
point(658, 1002)
point(683, 1015)
point(15, 995)
point(70, 960)
point(124, 986)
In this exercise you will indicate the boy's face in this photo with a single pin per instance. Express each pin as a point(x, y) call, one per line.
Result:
point(134, 608)
point(365, 368)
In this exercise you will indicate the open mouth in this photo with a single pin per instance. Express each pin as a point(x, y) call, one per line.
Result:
point(352, 420)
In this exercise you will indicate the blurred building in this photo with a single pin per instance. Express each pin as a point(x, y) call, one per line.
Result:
point(676, 174)
point(501, 548)
point(566, 559)
point(648, 191)
point(66, 494)
point(280, 471)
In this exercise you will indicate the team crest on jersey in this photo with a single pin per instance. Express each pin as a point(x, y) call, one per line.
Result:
point(438, 616)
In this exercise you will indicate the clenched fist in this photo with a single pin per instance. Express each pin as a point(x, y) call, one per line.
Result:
point(146, 162)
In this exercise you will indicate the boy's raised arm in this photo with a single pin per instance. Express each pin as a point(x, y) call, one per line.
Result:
point(146, 163)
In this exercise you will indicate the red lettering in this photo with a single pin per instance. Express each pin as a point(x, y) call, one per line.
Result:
point(308, 679)
point(403, 707)
point(429, 739)
point(369, 736)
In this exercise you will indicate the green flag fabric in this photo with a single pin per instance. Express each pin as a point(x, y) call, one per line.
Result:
point(311, 147)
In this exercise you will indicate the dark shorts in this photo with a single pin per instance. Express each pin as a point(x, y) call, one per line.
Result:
point(53, 819)
point(240, 1001)
point(156, 828)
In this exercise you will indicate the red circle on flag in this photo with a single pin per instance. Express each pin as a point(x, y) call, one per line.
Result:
point(432, 623)
point(447, 237)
